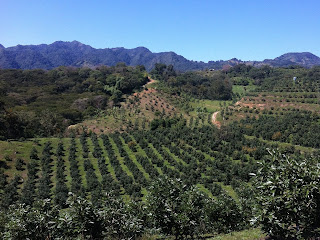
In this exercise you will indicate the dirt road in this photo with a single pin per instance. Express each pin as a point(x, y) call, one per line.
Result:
point(214, 119)
point(150, 81)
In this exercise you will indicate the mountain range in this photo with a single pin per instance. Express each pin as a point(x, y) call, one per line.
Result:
point(48, 56)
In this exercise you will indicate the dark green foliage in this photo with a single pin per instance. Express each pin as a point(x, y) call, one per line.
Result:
point(196, 84)
point(123, 221)
point(10, 124)
point(93, 184)
point(34, 154)
point(7, 158)
point(10, 193)
point(200, 86)
point(83, 141)
point(277, 79)
point(298, 128)
point(205, 156)
point(60, 150)
point(176, 209)
point(45, 184)
point(3, 179)
point(19, 164)
point(61, 193)
point(28, 193)
point(163, 123)
point(45, 103)
point(61, 190)
point(130, 184)
point(171, 207)
point(288, 197)
point(225, 215)
point(163, 72)
point(76, 185)
point(80, 220)
point(26, 222)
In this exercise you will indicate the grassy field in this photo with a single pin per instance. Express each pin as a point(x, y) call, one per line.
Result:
point(22, 149)
point(250, 234)
point(210, 105)
point(243, 90)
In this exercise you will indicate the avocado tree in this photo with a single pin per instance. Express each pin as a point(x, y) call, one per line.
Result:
point(288, 197)
point(175, 208)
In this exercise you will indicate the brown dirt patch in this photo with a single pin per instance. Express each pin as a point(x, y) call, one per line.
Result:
point(214, 120)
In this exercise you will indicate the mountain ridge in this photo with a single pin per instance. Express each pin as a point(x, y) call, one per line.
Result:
point(77, 54)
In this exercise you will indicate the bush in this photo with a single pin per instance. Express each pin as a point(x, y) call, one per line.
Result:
point(19, 164)
point(122, 220)
point(225, 215)
point(25, 222)
point(288, 197)
point(175, 208)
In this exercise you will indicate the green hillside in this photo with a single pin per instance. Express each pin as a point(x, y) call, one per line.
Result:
point(192, 140)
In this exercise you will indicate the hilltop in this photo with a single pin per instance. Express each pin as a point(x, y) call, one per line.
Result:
point(77, 54)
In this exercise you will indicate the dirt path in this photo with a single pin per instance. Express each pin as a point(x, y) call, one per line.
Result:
point(145, 91)
point(214, 119)
point(150, 81)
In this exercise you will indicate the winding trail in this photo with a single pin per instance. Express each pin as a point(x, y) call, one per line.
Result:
point(144, 88)
point(214, 119)
point(150, 81)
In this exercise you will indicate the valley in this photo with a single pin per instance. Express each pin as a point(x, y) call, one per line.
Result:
point(121, 130)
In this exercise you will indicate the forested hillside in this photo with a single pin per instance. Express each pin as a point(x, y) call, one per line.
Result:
point(216, 86)
point(45, 103)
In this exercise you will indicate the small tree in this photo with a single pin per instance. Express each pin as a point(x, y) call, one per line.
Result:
point(26, 222)
point(19, 164)
point(224, 214)
point(80, 221)
point(34, 154)
point(175, 208)
point(288, 197)
point(122, 220)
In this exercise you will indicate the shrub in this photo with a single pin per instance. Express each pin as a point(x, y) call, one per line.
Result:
point(288, 197)
point(19, 164)
point(175, 208)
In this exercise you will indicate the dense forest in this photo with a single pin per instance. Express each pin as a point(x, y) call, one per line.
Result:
point(45, 103)
point(289, 79)
point(216, 86)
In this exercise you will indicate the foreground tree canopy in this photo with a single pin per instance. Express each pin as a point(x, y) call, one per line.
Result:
point(286, 203)
point(171, 208)
point(288, 197)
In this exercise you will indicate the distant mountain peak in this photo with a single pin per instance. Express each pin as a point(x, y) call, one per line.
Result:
point(74, 42)
point(142, 48)
point(305, 59)
point(77, 42)
point(297, 55)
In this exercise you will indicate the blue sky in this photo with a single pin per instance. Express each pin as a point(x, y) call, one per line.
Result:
point(200, 30)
